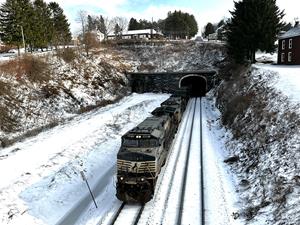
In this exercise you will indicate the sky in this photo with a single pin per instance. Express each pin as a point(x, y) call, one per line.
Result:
point(204, 10)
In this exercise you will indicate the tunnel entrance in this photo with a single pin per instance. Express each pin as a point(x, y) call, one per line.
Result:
point(196, 85)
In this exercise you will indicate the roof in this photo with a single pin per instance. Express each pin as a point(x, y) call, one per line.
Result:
point(133, 32)
point(150, 126)
point(294, 32)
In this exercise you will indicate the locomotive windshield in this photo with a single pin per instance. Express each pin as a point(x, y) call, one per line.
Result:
point(147, 143)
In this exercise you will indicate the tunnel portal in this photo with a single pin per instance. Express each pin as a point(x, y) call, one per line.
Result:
point(196, 85)
point(192, 83)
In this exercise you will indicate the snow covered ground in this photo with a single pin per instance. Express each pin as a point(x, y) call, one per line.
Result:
point(41, 181)
point(287, 79)
point(40, 178)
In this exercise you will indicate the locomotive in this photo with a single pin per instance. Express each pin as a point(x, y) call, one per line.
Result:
point(144, 151)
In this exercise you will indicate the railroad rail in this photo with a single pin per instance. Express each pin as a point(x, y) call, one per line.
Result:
point(135, 214)
point(180, 181)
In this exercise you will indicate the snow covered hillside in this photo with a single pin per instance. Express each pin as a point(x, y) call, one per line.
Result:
point(45, 90)
point(42, 91)
point(260, 108)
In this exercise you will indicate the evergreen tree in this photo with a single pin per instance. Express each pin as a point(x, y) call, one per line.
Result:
point(133, 24)
point(61, 27)
point(144, 24)
point(14, 18)
point(91, 23)
point(209, 29)
point(102, 27)
point(221, 23)
point(41, 24)
point(180, 25)
point(117, 30)
point(287, 27)
point(254, 25)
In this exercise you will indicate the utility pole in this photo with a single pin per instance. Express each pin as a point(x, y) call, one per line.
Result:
point(23, 39)
point(152, 28)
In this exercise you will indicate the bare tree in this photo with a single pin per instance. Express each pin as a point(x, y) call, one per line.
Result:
point(90, 41)
point(82, 19)
point(122, 23)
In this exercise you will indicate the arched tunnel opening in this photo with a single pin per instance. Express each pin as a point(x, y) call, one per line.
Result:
point(195, 85)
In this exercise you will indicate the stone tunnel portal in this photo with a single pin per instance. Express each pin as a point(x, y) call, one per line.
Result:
point(196, 84)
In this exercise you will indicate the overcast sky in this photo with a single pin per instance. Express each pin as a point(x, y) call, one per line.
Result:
point(204, 10)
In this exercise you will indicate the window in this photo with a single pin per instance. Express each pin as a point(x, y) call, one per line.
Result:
point(282, 57)
point(130, 143)
point(144, 143)
point(283, 44)
point(290, 43)
point(289, 57)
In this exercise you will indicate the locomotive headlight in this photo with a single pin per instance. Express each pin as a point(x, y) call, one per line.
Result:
point(121, 178)
point(142, 179)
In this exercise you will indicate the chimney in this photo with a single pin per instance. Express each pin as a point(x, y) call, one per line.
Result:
point(296, 23)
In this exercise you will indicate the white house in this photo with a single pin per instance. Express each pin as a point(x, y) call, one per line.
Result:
point(137, 34)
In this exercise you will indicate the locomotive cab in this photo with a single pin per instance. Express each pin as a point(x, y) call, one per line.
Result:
point(139, 160)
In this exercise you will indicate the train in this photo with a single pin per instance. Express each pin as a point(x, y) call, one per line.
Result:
point(144, 150)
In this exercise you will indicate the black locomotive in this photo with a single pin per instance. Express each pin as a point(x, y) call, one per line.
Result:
point(144, 151)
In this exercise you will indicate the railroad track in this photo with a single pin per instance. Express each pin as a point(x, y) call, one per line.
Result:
point(180, 190)
point(179, 197)
point(189, 167)
point(125, 214)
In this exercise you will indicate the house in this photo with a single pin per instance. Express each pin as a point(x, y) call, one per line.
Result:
point(289, 47)
point(137, 34)
point(99, 35)
point(213, 36)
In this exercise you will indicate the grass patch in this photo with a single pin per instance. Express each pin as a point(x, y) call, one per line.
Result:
point(35, 69)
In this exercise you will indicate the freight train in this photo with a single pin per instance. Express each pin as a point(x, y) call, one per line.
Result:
point(144, 151)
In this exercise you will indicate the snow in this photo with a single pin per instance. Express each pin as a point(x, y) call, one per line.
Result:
point(287, 79)
point(40, 179)
point(41, 183)
point(221, 199)
point(45, 186)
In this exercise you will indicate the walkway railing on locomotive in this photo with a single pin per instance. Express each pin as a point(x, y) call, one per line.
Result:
point(142, 167)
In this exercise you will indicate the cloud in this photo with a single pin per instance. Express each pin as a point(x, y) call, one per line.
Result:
point(213, 12)
point(291, 9)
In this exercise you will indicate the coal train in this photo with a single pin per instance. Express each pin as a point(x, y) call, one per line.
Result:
point(144, 151)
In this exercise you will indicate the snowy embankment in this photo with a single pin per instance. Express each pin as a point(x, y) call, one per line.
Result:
point(40, 178)
point(42, 91)
point(260, 106)
point(287, 79)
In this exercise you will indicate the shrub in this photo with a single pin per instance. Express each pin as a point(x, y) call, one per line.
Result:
point(4, 88)
point(67, 54)
point(35, 69)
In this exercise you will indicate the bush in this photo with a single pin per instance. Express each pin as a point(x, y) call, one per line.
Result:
point(4, 89)
point(35, 69)
point(67, 54)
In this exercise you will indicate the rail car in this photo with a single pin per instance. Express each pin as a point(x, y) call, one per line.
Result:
point(144, 150)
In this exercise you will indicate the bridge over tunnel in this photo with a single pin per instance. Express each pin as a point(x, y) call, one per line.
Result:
point(193, 83)
point(196, 85)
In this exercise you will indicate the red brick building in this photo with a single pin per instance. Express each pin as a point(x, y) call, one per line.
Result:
point(289, 47)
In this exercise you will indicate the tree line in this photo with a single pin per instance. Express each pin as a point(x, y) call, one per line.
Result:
point(177, 25)
point(35, 24)
point(105, 25)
